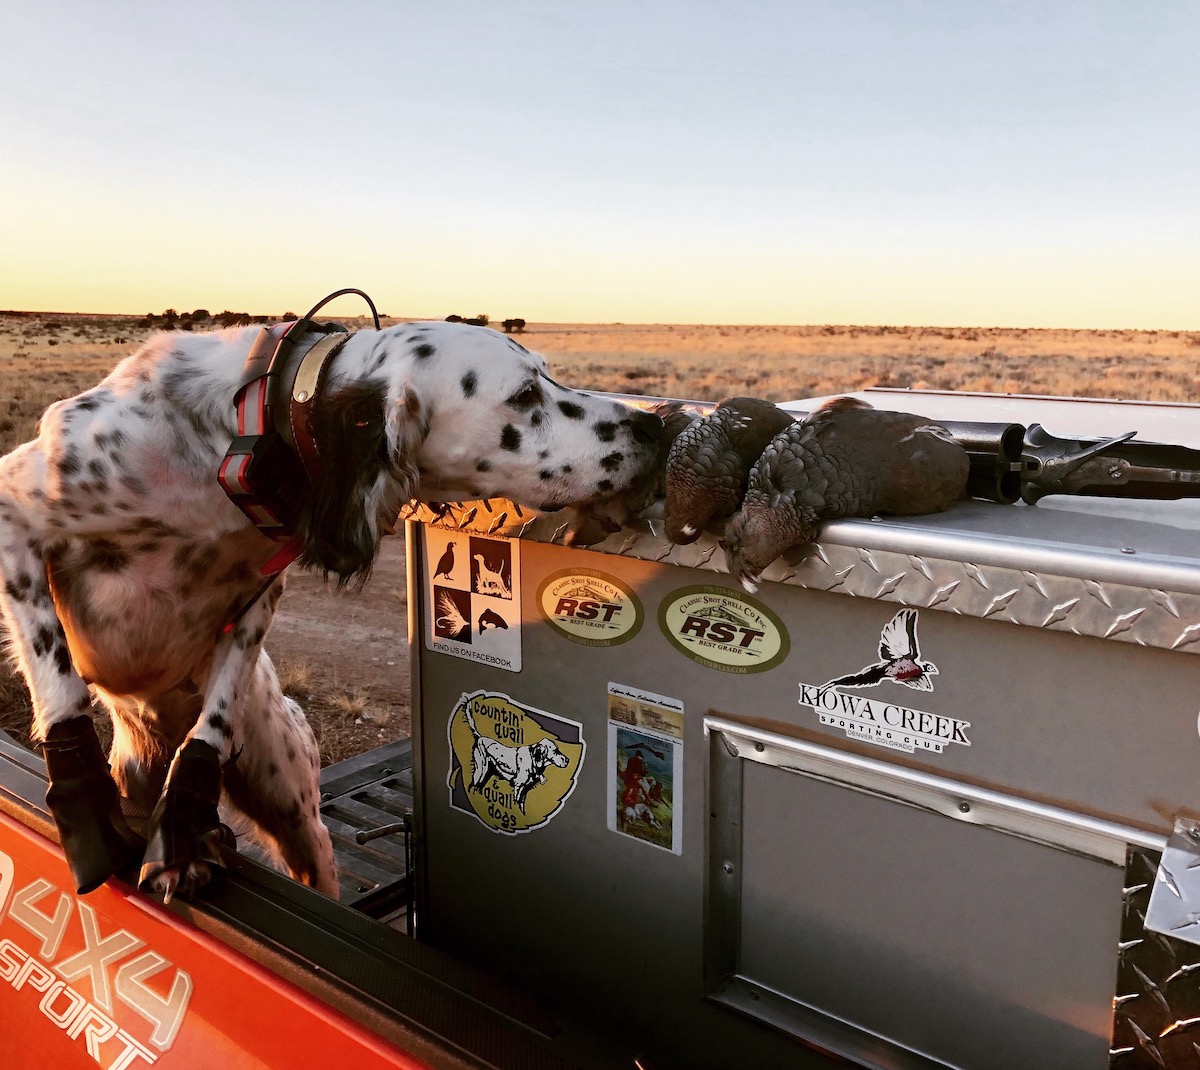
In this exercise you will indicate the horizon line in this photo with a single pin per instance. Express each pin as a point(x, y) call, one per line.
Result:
point(650, 323)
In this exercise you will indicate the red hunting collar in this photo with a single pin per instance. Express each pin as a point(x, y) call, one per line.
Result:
point(274, 461)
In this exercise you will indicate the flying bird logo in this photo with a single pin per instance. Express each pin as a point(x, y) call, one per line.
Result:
point(900, 658)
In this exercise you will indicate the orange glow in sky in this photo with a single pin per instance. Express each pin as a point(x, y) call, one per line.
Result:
point(663, 162)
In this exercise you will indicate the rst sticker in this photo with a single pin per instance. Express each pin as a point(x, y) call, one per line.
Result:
point(84, 978)
point(511, 766)
point(875, 720)
point(723, 629)
point(590, 607)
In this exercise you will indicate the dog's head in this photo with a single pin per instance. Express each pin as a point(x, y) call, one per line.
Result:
point(547, 753)
point(494, 423)
point(446, 411)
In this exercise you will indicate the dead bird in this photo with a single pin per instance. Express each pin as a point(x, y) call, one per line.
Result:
point(710, 461)
point(595, 522)
point(844, 460)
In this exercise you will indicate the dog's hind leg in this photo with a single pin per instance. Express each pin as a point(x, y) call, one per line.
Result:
point(81, 796)
point(185, 831)
point(275, 782)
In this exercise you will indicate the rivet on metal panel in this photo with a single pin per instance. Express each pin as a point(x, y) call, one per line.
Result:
point(1128, 550)
point(728, 867)
point(760, 747)
point(964, 807)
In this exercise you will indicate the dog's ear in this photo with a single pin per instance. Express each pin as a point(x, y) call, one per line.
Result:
point(368, 471)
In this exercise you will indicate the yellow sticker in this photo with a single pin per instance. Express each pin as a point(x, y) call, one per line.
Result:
point(590, 607)
point(511, 766)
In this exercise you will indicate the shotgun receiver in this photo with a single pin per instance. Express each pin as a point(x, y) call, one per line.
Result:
point(1011, 462)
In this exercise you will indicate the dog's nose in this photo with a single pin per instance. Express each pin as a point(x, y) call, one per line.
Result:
point(645, 426)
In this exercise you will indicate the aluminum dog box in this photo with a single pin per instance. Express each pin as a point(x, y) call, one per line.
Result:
point(729, 826)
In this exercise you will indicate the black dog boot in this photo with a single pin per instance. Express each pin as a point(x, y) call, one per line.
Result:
point(186, 835)
point(86, 805)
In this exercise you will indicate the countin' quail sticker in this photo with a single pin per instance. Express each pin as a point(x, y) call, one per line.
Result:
point(875, 720)
point(511, 766)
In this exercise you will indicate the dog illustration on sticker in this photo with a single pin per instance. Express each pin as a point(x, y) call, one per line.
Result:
point(511, 766)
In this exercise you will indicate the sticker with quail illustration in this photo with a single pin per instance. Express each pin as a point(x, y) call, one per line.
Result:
point(473, 597)
point(511, 766)
point(875, 719)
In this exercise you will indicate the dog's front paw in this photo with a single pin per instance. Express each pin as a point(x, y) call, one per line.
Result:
point(86, 805)
point(186, 835)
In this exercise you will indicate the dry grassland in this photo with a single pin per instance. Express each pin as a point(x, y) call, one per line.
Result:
point(44, 357)
point(47, 356)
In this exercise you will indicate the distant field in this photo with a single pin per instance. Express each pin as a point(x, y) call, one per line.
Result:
point(47, 356)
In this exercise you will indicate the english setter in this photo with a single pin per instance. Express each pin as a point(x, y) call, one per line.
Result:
point(129, 578)
point(522, 768)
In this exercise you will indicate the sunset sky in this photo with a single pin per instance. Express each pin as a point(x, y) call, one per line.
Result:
point(712, 161)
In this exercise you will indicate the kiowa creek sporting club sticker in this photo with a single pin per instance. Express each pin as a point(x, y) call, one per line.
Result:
point(473, 595)
point(875, 719)
point(590, 607)
point(723, 629)
point(511, 766)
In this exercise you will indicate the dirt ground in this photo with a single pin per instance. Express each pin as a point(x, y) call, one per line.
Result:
point(343, 655)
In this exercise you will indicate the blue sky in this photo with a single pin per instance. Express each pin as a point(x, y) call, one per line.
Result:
point(953, 163)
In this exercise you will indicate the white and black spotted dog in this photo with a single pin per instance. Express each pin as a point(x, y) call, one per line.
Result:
point(124, 566)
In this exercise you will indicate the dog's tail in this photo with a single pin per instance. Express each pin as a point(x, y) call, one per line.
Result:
point(471, 721)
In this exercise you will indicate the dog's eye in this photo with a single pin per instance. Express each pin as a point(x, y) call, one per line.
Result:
point(526, 398)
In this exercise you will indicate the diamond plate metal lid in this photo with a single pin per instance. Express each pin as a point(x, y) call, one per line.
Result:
point(1121, 569)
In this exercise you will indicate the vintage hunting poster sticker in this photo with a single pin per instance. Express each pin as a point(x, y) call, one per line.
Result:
point(723, 629)
point(645, 766)
point(876, 719)
point(590, 607)
point(473, 594)
point(511, 766)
